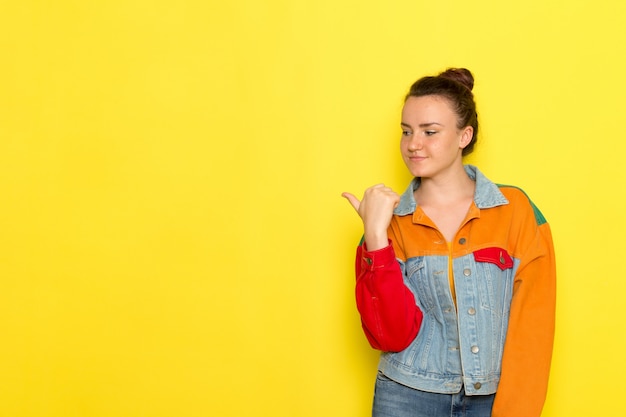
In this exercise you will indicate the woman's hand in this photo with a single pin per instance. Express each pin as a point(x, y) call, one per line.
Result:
point(376, 211)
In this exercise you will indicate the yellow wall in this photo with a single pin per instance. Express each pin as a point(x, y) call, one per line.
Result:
point(172, 237)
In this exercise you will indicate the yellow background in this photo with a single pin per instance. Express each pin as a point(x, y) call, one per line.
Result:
point(172, 237)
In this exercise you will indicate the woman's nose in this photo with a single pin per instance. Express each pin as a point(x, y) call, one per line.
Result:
point(415, 143)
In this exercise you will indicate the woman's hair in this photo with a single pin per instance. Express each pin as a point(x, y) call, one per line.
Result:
point(454, 84)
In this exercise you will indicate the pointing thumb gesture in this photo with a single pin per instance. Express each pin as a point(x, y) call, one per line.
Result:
point(352, 200)
point(376, 211)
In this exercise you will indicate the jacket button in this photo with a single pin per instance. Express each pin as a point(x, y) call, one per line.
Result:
point(467, 272)
point(475, 349)
point(477, 385)
point(471, 311)
point(462, 241)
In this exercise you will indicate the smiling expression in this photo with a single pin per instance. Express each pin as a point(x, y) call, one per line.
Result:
point(431, 141)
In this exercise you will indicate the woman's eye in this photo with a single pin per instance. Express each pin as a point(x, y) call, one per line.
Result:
point(406, 133)
point(430, 132)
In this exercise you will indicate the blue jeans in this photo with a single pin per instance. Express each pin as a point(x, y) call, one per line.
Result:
point(396, 400)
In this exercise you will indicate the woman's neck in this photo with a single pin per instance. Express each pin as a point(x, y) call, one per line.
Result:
point(446, 201)
point(445, 189)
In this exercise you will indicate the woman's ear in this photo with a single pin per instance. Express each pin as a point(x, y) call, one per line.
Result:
point(467, 133)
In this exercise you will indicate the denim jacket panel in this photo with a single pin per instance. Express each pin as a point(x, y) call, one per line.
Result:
point(454, 349)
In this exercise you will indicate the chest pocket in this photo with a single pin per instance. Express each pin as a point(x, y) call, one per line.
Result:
point(495, 256)
point(495, 285)
point(416, 279)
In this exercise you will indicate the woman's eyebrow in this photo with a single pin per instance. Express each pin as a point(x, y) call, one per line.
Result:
point(422, 125)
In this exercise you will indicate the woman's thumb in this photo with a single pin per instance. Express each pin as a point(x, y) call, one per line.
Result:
point(353, 200)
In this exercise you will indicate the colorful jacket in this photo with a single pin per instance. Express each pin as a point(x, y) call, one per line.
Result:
point(499, 337)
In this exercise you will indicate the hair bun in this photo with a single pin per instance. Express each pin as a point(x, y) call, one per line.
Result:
point(460, 75)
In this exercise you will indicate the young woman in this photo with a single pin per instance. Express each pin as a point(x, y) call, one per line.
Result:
point(456, 276)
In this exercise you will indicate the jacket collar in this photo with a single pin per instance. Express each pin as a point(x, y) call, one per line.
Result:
point(487, 194)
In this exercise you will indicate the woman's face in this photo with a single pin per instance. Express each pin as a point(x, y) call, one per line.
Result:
point(431, 142)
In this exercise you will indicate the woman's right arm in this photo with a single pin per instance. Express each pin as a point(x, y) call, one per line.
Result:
point(389, 315)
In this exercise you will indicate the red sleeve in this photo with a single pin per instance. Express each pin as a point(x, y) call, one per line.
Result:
point(389, 315)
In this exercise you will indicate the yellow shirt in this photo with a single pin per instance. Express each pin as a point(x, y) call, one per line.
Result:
point(451, 273)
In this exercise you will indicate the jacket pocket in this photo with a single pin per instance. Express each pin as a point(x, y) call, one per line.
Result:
point(497, 256)
point(495, 283)
point(418, 283)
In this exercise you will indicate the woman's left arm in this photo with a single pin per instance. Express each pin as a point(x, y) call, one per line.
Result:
point(528, 347)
